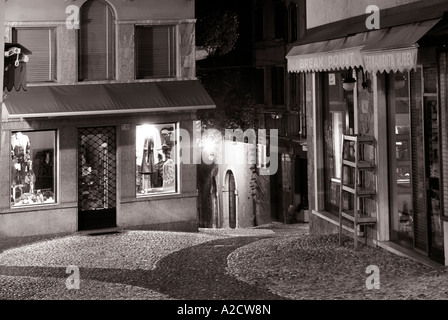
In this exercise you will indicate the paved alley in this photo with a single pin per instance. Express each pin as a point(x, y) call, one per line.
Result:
point(274, 262)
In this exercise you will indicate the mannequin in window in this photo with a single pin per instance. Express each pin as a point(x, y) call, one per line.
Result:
point(158, 182)
point(46, 172)
point(148, 147)
point(169, 172)
point(166, 135)
point(148, 166)
point(20, 154)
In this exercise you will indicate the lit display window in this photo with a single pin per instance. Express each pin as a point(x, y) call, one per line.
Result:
point(156, 154)
point(33, 168)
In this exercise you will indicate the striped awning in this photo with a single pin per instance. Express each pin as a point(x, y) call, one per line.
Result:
point(389, 49)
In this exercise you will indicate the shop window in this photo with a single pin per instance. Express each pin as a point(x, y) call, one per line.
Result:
point(33, 168)
point(400, 164)
point(155, 52)
point(157, 159)
point(42, 43)
point(338, 109)
point(96, 42)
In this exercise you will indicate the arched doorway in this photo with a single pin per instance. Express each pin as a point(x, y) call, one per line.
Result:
point(231, 189)
point(217, 219)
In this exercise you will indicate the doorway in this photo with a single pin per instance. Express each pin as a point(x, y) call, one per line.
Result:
point(97, 186)
point(415, 161)
point(231, 199)
point(433, 164)
point(217, 219)
point(276, 193)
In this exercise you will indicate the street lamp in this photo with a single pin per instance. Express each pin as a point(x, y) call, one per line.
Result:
point(400, 82)
point(349, 82)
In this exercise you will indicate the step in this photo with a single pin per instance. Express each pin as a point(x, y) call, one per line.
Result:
point(361, 219)
point(100, 231)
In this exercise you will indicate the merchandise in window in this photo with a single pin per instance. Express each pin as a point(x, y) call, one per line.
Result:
point(338, 117)
point(33, 168)
point(156, 154)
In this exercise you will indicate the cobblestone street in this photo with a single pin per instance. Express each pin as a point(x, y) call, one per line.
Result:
point(273, 262)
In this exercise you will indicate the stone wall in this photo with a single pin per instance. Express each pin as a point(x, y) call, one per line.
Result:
point(162, 211)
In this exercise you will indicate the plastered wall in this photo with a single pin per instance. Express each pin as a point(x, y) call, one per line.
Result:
point(320, 12)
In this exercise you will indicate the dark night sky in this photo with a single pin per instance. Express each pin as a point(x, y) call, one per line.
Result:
point(242, 54)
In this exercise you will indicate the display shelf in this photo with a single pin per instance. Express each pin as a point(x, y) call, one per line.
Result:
point(355, 164)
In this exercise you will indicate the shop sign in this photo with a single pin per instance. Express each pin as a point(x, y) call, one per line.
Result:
point(332, 79)
point(325, 61)
point(391, 60)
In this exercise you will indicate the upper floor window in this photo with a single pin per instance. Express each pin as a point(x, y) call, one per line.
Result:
point(42, 43)
point(96, 42)
point(259, 21)
point(293, 22)
point(155, 52)
point(279, 23)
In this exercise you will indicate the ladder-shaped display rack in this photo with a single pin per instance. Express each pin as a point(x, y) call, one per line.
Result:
point(354, 167)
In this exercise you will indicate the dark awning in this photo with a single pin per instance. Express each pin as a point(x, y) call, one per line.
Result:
point(118, 98)
point(388, 49)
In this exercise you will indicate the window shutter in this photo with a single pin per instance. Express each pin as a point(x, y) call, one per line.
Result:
point(41, 42)
point(155, 52)
point(96, 42)
point(293, 22)
point(280, 21)
point(259, 23)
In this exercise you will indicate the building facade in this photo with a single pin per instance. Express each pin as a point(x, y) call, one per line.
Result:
point(277, 25)
point(399, 99)
point(94, 141)
point(232, 193)
point(2, 45)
